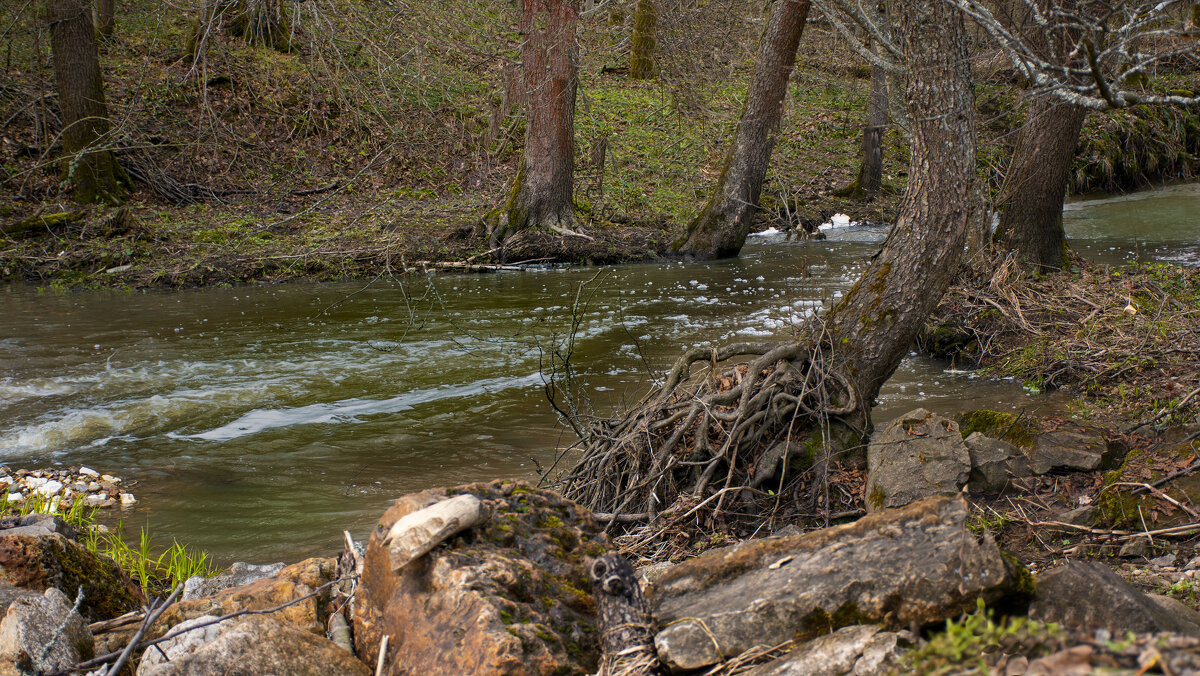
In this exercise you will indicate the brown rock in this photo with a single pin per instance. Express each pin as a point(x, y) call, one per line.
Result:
point(39, 562)
point(508, 597)
point(290, 583)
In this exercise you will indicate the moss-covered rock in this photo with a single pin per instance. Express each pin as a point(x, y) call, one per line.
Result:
point(1014, 429)
point(39, 562)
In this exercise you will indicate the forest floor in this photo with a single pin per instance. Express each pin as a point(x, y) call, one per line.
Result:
point(349, 157)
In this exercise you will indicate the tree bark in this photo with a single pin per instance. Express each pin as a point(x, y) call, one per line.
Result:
point(261, 23)
point(641, 60)
point(89, 167)
point(1031, 214)
point(721, 228)
point(872, 328)
point(870, 173)
point(542, 195)
point(106, 22)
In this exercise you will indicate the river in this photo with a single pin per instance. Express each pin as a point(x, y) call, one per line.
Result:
point(258, 422)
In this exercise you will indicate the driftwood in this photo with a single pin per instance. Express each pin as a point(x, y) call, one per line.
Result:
point(418, 533)
point(626, 634)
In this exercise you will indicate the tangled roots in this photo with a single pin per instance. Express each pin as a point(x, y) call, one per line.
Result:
point(731, 428)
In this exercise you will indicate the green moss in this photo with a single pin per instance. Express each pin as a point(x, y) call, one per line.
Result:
point(820, 621)
point(998, 425)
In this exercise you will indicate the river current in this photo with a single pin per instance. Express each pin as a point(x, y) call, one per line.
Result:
point(260, 421)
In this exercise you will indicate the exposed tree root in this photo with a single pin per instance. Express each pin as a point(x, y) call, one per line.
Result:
point(695, 447)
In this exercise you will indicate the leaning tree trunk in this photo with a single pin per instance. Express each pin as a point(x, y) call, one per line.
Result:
point(542, 195)
point(106, 21)
point(875, 324)
point(89, 166)
point(721, 228)
point(1031, 222)
point(641, 60)
point(735, 426)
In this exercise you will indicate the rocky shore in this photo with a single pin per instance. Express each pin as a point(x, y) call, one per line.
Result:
point(64, 487)
point(507, 578)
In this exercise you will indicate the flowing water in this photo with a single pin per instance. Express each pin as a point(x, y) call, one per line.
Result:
point(260, 421)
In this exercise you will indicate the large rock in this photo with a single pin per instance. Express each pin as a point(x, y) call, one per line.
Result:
point(39, 562)
point(915, 565)
point(1087, 595)
point(508, 597)
point(861, 649)
point(240, 573)
point(1068, 447)
point(994, 463)
point(294, 581)
point(917, 455)
point(43, 634)
point(249, 646)
point(37, 524)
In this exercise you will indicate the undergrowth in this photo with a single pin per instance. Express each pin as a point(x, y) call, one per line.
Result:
point(157, 574)
point(978, 641)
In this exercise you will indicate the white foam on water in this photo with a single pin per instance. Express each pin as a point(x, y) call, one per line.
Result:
point(353, 410)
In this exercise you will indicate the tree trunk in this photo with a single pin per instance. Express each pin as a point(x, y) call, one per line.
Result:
point(641, 61)
point(873, 327)
point(106, 22)
point(1036, 184)
point(261, 23)
point(542, 195)
point(89, 167)
point(721, 228)
point(692, 435)
point(870, 173)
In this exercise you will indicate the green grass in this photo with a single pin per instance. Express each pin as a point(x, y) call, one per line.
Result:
point(157, 574)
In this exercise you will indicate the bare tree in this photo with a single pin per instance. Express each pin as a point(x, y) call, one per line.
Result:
point(641, 59)
point(88, 165)
point(683, 439)
point(720, 230)
point(106, 22)
point(542, 196)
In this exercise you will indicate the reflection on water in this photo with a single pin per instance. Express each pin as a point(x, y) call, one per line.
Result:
point(261, 421)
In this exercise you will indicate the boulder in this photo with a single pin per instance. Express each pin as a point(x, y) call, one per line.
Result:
point(1068, 447)
point(249, 646)
point(37, 524)
point(294, 581)
point(239, 574)
point(915, 565)
point(44, 633)
point(993, 463)
point(860, 649)
point(1087, 595)
point(917, 455)
point(510, 596)
point(39, 562)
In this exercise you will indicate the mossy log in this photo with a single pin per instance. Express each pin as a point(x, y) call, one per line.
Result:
point(47, 221)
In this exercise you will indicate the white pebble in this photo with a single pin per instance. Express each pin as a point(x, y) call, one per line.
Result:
point(16, 497)
point(88, 471)
point(49, 488)
point(110, 478)
point(127, 499)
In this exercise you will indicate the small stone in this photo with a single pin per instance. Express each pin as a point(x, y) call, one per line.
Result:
point(110, 478)
point(127, 499)
point(96, 500)
point(50, 488)
point(88, 471)
point(93, 486)
point(80, 487)
point(1163, 561)
point(35, 481)
point(1193, 564)
point(1135, 547)
point(16, 497)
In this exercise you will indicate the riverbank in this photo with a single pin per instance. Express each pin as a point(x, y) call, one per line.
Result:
point(273, 166)
point(1122, 340)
